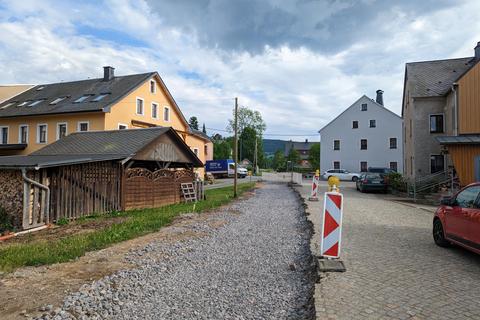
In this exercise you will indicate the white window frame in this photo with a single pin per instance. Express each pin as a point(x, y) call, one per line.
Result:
point(151, 105)
point(339, 145)
point(361, 166)
point(361, 144)
point(8, 134)
point(196, 151)
point(79, 123)
point(122, 124)
point(20, 133)
point(143, 106)
point(154, 86)
point(366, 106)
point(46, 133)
point(169, 115)
point(370, 123)
point(58, 131)
point(339, 164)
point(443, 124)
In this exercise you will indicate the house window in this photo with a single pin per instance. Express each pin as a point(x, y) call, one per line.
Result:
point(42, 133)
point(373, 123)
point(100, 97)
point(122, 126)
point(393, 143)
point(363, 166)
point(437, 163)
point(82, 98)
point(363, 144)
point(166, 114)
point(83, 126)
point(336, 144)
point(336, 164)
point(4, 135)
point(364, 107)
point(7, 105)
point(140, 106)
point(195, 150)
point(355, 124)
point(24, 103)
point(61, 130)
point(154, 111)
point(34, 103)
point(436, 123)
point(153, 87)
point(57, 100)
point(23, 134)
point(394, 166)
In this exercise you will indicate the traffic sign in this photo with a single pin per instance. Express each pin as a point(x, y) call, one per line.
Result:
point(332, 225)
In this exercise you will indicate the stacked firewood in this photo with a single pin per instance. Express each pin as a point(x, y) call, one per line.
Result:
point(11, 195)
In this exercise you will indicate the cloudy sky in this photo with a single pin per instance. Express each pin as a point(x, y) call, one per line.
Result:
point(299, 62)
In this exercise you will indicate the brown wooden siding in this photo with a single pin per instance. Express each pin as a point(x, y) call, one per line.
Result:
point(463, 157)
point(469, 101)
point(147, 189)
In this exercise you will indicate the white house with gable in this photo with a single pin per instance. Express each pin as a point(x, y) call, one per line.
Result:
point(365, 135)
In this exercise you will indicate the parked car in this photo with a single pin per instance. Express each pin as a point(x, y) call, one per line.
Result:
point(372, 181)
point(457, 220)
point(380, 170)
point(341, 174)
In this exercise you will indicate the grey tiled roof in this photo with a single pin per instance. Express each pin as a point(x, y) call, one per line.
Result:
point(116, 88)
point(122, 143)
point(435, 78)
point(51, 160)
point(470, 139)
point(201, 134)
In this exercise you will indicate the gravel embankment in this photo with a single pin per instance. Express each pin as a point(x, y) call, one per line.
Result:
point(257, 266)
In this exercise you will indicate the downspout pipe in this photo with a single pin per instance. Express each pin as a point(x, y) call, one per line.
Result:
point(41, 186)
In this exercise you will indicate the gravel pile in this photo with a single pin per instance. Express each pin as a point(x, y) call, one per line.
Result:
point(257, 266)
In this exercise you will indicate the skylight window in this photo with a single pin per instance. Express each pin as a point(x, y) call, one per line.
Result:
point(100, 97)
point(24, 103)
point(82, 98)
point(40, 88)
point(57, 100)
point(8, 105)
point(34, 103)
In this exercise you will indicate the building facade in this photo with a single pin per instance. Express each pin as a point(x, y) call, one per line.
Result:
point(45, 113)
point(365, 135)
point(303, 149)
point(430, 110)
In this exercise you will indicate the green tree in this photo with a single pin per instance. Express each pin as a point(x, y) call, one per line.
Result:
point(193, 121)
point(278, 162)
point(248, 139)
point(204, 129)
point(248, 118)
point(222, 147)
point(314, 156)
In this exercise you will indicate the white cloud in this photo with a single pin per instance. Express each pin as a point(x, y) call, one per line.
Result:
point(298, 90)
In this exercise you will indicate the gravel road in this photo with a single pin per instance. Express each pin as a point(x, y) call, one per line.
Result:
point(257, 266)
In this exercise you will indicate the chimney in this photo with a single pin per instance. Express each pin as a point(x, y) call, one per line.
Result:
point(306, 140)
point(108, 73)
point(379, 97)
point(477, 51)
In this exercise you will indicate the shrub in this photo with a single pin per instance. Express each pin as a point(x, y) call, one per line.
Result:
point(62, 221)
point(397, 182)
point(5, 221)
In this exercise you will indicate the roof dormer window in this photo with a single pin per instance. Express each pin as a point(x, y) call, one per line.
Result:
point(82, 98)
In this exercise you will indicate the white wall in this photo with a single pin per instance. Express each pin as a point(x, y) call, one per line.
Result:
point(378, 154)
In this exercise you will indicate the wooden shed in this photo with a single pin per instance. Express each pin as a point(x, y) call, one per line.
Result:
point(96, 172)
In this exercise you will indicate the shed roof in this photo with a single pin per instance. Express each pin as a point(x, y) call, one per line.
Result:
point(470, 139)
point(435, 78)
point(93, 146)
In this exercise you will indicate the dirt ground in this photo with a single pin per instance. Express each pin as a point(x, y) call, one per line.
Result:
point(27, 289)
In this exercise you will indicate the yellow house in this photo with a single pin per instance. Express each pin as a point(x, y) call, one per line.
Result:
point(47, 112)
point(10, 90)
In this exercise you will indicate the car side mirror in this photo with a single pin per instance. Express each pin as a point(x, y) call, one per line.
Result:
point(447, 201)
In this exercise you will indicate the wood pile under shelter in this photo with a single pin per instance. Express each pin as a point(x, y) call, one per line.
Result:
point(96, 172)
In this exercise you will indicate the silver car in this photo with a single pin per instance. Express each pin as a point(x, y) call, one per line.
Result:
point(341, 174)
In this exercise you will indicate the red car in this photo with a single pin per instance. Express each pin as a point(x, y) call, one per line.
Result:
point(457, 220)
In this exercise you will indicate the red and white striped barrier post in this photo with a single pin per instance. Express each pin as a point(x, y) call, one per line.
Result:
point(314, 193)
point(332, 225)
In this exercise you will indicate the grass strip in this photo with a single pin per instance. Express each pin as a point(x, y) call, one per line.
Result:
point(138, 223)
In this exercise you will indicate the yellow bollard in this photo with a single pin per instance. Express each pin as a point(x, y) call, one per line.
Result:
point(333, 184)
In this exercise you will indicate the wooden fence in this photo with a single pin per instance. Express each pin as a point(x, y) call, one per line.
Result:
point(80, 190)
point(147, 189)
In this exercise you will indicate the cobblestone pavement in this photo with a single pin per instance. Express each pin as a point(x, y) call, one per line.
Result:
point(394, 270)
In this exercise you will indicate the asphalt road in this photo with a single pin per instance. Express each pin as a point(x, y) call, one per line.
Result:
point(220, 183)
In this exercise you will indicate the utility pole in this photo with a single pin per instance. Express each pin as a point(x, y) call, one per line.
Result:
point(235, 148)
point(255, 156)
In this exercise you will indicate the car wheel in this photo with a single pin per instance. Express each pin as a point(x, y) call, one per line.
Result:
point(438, 234)
point(354, 179)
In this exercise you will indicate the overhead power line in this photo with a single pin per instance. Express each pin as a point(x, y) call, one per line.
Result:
point(273, 134)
